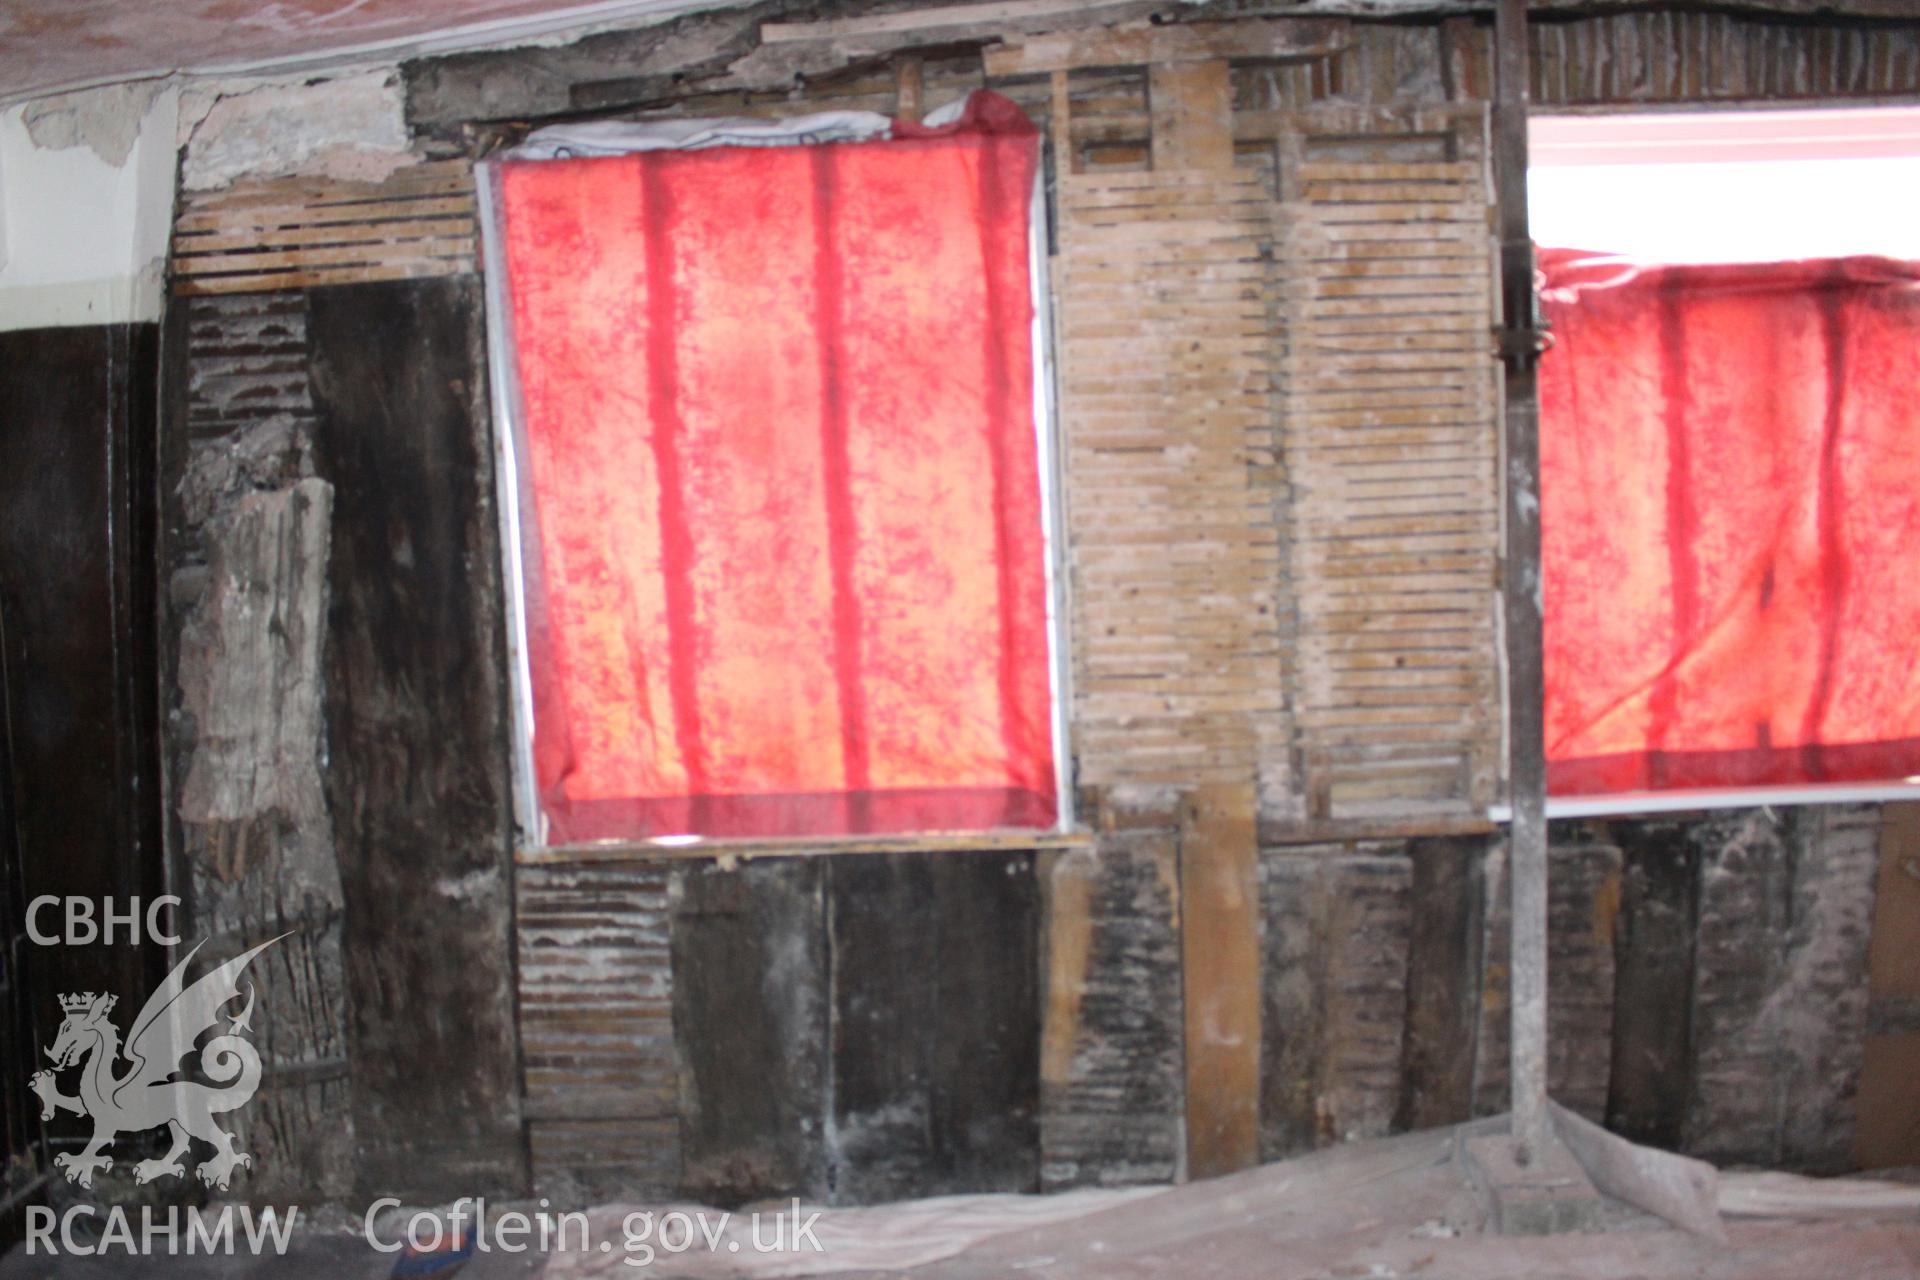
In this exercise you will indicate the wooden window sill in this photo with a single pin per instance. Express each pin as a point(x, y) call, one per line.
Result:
point(618, 851)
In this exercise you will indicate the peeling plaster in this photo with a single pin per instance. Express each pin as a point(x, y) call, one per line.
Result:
point(351, 128)
point(106, 120)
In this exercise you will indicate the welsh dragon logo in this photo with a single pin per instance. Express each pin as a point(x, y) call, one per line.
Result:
point(147, 1096)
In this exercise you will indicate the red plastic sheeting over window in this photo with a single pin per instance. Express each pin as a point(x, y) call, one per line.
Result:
point(1731, 518)
point(785, 557)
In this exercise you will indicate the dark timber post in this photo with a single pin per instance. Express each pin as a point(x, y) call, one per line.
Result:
point(1520, 344)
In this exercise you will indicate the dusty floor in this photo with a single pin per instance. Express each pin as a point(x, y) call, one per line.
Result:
point(1399, 1208)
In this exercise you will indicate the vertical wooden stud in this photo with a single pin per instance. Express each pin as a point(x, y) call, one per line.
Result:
point(1889, 1095)
point(1060, 124)
point(1066, 882)
point(1220, 960)
point(1460, 56)
point(909, 90)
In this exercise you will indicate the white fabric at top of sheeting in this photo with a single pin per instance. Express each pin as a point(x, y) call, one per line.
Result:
point(624, 137)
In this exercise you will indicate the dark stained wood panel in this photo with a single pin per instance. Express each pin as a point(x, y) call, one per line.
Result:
point(935, 1024)
point(1779, 1005)
point(1334, 992)
point(417, 729)
point(1823, 984)
point(1112, 1088)
point(1653, 982)
point(77, 431)
point(1447, 933)
point(751, 1018)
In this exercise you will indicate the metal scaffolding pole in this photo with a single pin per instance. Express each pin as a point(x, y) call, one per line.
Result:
point(1520, 346)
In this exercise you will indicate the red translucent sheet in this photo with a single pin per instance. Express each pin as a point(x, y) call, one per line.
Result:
point(785, 560)
point(1731, 516)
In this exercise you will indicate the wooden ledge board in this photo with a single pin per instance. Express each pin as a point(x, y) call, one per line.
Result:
point(933, 842)
point(1137, 44)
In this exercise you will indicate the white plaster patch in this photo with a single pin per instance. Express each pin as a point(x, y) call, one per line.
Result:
point(86, 202)
point(472, 887)
point(352, 128)
point(1526, 500)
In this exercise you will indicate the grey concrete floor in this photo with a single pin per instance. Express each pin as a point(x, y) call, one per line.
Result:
point(1395, 1209)
point(313, 1256)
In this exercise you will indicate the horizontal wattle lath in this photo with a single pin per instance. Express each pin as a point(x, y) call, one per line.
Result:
point(292, 233)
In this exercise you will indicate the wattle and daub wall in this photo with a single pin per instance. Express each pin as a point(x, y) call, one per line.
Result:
point(1272, 309)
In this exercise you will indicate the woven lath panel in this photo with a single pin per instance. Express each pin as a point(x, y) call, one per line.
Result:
point(1166, 377)
point(290, 233)
point(1390, 439)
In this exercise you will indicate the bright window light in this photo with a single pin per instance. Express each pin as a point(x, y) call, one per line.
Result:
point(1753, 186)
